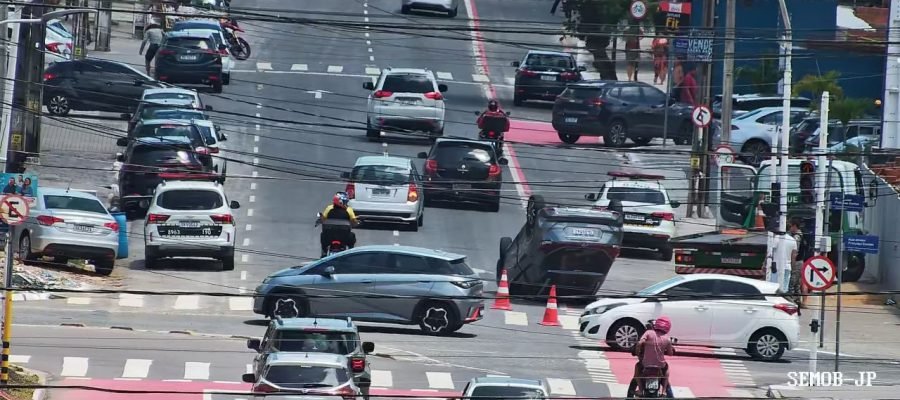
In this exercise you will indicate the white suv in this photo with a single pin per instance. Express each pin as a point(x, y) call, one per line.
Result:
point(406, 100)
point(190, 219)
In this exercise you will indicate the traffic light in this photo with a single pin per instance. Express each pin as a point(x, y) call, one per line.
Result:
point(807, 183)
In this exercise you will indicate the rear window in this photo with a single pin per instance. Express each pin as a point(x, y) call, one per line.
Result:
point(180, 26)
point(155, 155)
point(164, 130)
point(449, 152)
point(167, 96)
point(507, 392)
point(299, 341)
point(549, 60)
point(383, 175)
point(207, 133)
point(407, 83)
point(302, 376)
point(74, 203)
point(583, 93)
point(192, 199)
point(188, 43)
point(637, 195)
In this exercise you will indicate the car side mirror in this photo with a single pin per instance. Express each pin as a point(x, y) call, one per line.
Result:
point(503, 161)
point(328, 271)
point(208, 108)
point(515, 64)
point(369, 86)
point(125, 116)
point(423, 155)
point(234, 205)
point(368, 347)
point(345, 175)
point(248, 378)
point(120, 157)
point(442, 88)
point(675, 204)
point(582, 68)
point(122, 142)
point(254, 344)
point(591, 197)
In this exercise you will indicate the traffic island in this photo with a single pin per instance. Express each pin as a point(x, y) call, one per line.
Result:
point(19, 376)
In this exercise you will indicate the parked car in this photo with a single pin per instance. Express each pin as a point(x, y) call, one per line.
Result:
point(570, 247)
point(386, 189)
point(169, 128)
point(197, 25)
point(754, 134)
point(175, 93)
point(315, 375)
point(451, 299)
point(58, 42)
point(191, 58)
point(758, 319)
point(498, 387)
point(543, 75)
point(451, 7)
point(148, 108)
point(463, 170)
point(744, 103)
point(839, 133)
point(66, 224)
point(618, 111)
point(316, 335)
point(94, 85)
point(407, 100)
point(213, 137)
point(803, 130)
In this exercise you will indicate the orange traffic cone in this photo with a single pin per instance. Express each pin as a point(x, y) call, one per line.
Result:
point(501, 302)
point(551, 314)
point(760, 221)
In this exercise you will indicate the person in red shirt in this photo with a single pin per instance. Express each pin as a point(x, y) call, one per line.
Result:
point(687, 85)
point(652, 350)
point(490, 119)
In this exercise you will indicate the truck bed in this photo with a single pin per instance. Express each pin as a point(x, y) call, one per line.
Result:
point(732, 252)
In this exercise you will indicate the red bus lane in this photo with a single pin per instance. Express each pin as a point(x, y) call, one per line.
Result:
point(694, 368)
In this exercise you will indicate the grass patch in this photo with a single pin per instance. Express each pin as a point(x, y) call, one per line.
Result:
point(17, 376)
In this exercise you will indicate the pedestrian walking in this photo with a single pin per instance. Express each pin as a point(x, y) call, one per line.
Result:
point(153, 36)
point(686, 84)
point(633, 52)
point(660, 48)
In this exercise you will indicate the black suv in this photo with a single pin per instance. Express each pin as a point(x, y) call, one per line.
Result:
point(187, 57)
point(542, 75)
point(177, 129)
point(619, 111)
point(148, 161)
point(94, 85)
point(465, 170)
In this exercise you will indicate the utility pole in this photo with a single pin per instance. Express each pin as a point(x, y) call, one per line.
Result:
point(104, 25)
point(819, 236)
point(890, 137)
point(81, 32)
point(9, 77)
point(25, 136)
point(728, 71)
point(701, 142)
point(784, 265)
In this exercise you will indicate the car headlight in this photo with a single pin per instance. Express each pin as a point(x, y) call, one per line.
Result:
point(601, 309)
point(466, 284)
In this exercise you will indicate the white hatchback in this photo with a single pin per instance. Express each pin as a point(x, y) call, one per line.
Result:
point(407, 100)
point(386, 189)
point(757, 318)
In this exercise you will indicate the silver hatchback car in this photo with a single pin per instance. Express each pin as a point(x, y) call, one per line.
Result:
point(386, 189)
point(405, 100)
point(438, 291)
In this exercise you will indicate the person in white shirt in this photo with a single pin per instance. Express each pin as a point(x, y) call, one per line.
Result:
point(785, 254)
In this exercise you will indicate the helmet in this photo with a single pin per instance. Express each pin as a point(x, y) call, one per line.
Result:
point(662, 324)
point(493, 105)
point(340, 199)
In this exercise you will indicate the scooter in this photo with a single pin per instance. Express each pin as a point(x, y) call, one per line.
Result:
point(653, 382)
point(493, 129)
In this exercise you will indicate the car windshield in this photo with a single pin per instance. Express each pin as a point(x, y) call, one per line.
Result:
point(549, 60)
point(407, 83)
point(507, 392)
point(301, 376)
point(585, 93)
point(59, 29)
point(190, 199)
point(188, 43)
point(657, 287)
point(636, 195)
point(315, 342)
point(155, 155)
point(170, 96)
point(750, 114)
point(383, 175)
point(165, 130)
point(207, 133)
point(52, 202)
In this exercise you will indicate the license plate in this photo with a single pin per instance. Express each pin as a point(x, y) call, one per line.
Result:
point(653, 384)
point(571, 120)
point(461, 186)
point(583, 232)
point(548, 77)
point(409, 102)
point(83, 228)
point(190, 57)
point(634, 217)
point(381, 192)
point(731, 260)
point(189, 224)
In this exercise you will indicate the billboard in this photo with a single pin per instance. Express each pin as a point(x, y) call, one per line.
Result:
point(21, 184)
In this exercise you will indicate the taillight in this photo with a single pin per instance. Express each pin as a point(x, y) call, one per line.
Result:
point(202, 150)
point(569, 76)
point(525, 72)
point(431, 166)
point(54, 47)
point(223, 219)
point(358, 364)
point(157, 218)
point(594, 102)
point(112, 226)
point(666, 216)
point(351, 190)
point(494, 171)
point(434, 95)
point(413, 194)
point(790, 309)
point(684, 259)
point(166, 52)
point(264, 388)
point(213, 150)
point(48, 220)
point(380, 94)
point(48, 76)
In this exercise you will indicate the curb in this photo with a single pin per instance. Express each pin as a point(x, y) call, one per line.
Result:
point(31, 296)
point(162, 332)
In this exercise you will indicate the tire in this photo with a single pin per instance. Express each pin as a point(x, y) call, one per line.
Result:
point(150, 261)
point(58, 104)
point(454, 12)
point(404, 10)
point(104, 267)
point(767, 345)
point(302, 305)
point(438, 318)
point(856, 265)
point(217, 87)
point(666, 253)
point(228, 263)
point(568, 138)
point(494, 205)
point(245, 49)
point(641, 141)
point(413, 226)
point(518, 100)
point(753, 152)
point(617, 134)
point(226, 79)
point(421, 220)
point(624, 334)
point(372, 134)
point(25, 248)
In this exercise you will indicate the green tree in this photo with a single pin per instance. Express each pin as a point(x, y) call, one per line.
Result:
point(763, 77)
point(598, 25)
point(818, 84)
point(850, 108)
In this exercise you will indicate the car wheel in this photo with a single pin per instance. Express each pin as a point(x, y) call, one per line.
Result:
point(617, 134)
point(767, 345)
point(454, 12)
point(421, 220)
point(665, 253)
point(217, 87)
point(25, 248)
point(58, 104)
point(413, 225)
point(438, 318)
point(300, 305)
point(518, 100)
point(228, 263)
point(371, 133)
point(641, 141)
point(150, 261)
point(494, 205)
point(856, 265)
point(568, 138)
point(404, 10)
point(226, 79)
point(754, 151)
point(624, 334)
point(104, 267)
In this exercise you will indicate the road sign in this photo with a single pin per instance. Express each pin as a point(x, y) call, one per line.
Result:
point(817, 273)
point(701, 116)
point(852, 202)
point(13, 209)
point(862, 243)
point(723, 155)
point(638, 9)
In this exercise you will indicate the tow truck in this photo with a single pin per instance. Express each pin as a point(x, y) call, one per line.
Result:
point(739, 245)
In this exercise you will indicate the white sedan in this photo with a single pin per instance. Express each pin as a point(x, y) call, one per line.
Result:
point(758, 320)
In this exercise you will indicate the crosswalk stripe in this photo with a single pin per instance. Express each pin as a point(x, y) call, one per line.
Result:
point(187, 302)
point(196, 370)
point(569, 322)
point(439, 380)
point(18, 359)
point(240, 303)
point(510, 80)
point(382, 378)
point(78, 300)
point(617, 390)
point(480, 78)
point(445, 76)
point(74, 366)
point(131, 300)
point(561, 386)
point(335, 69)
point(299, 67)
point(681, 392)
point(515, 318)
point(264, 66)
point(136, 368)
point(373, 71)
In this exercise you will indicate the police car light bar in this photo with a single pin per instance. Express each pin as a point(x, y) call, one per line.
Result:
point(636, 176)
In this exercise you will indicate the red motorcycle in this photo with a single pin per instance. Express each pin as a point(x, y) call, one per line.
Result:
point(492, 127)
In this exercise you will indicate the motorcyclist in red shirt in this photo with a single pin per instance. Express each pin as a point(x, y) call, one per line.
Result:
point(493, 123)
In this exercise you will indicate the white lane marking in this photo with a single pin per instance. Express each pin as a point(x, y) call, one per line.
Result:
point(196, 370)
point(252, 198)
point(368, 42)
point(365, 4)
point(382, 378)
point(366, 12)
point(258, 105)
point(396, 244)
point(249, 212)
point(74, 366)
point(299, 67)
point(480, 78)
point(681, 392)
point(252, 185)
point(367, 34)
point(136, 368)
point(259, 86)
point(246, 242)
point(18, 359)
point(249, 368)
point(445, 76)
point(515, 318)
point(131, 300)
point(79, 300)
point(255, 161)
point(569, 322)
point(439, 380)
point(254, 174)
point(335, 68)
point(396, 233)
point(366, 19)
point(249, 227)
point(373, 71)
point(370, 49)
point(257, 115)
point(263, 66)
point(255, 138)
point(383, 144)
point(187, 302)
point(561, 386)
point(243, 275)
point(620, 390)
point(256, 126)
point(244, 258)
point(371, 58)
point(240, 303)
